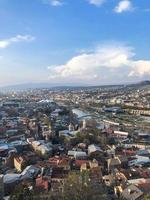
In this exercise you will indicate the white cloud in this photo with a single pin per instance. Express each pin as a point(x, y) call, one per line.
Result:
point(124, 5)
point(104, 64)
point(19, 38)
point(140, 68)
point(53, 2)
point(96, 2)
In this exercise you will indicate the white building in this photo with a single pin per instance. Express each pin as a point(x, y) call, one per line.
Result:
point(42, 147)
point(93, 149)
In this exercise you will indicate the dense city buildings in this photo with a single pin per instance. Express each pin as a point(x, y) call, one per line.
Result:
point(96, 136)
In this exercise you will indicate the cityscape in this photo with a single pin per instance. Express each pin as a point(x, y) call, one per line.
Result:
point(74, 100)
point(50, 138)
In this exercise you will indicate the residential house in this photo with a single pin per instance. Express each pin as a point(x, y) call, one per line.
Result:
point(94, 151)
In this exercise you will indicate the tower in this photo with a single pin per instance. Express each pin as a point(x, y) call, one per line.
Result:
point(84, 124)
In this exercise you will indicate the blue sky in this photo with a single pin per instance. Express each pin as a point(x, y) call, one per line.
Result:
point(74, 41)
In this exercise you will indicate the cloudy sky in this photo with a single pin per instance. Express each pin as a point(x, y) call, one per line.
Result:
point(88, 42)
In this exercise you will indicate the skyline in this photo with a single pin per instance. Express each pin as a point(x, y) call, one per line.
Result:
point(93, 42)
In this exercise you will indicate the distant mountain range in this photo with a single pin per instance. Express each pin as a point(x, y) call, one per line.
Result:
point(140, 84)
point(26, 86)
point(58, 86)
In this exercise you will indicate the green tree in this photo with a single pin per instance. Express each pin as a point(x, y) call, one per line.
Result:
point(80, 187)
point(22, 193)
point(76, 187)
point(147, 197)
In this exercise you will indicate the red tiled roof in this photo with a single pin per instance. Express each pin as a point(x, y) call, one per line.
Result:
point(58, 161)
point(144, 173)
point(81, 162)
point(145, 187)
point(129, 152)
point(42, 183)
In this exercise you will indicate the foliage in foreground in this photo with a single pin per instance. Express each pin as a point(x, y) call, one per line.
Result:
point(75, 188)
point(147, 197)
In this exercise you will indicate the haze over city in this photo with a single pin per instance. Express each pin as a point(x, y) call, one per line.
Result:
point(74, 42)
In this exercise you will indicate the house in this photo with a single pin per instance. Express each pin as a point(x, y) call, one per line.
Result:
point(142, 186)
point(82, 145)
point(77, 154)
point(19, 145)
point(20, 162)
point(143, 152)
point(30, 172)
point(94, 170)
point(130, 173)
point(77, 164)
point(113, 163)
point(80, 155)
point(58, 173)
point(67, 133)
point(138, 160)
point(138, 181)
point(42, 183)
point(117, 162)
point(11, 132)
point(43, 148)
point(59, 161)
point(10, 180)
point(71, 153)
point(9, 160)
point(94, 151)
point(121, 134)
point(132, 192)
point(116, 179)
